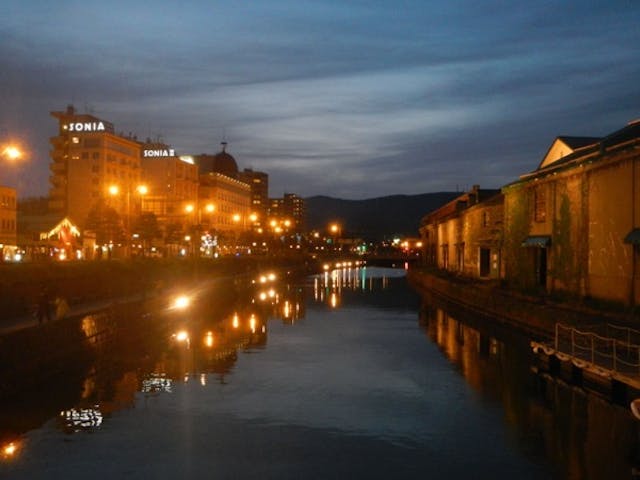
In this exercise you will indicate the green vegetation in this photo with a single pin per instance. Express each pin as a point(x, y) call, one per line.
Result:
point(518, 266)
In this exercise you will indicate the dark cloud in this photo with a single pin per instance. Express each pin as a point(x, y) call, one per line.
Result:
point(352, 99)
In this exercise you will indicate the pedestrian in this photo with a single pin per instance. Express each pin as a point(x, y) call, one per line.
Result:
point(44, 309)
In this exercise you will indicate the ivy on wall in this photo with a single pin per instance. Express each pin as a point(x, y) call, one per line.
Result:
point(563, 250)
point(519, 269)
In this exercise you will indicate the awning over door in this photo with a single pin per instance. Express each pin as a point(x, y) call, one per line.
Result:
point(633, 237)
point(540, 241)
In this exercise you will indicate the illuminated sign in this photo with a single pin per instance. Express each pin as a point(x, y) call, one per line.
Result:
point(160, 152)
point(85, 127)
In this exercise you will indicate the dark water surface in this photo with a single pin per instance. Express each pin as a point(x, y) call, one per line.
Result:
point(351, 375)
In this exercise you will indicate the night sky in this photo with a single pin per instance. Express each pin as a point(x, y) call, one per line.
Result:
point(352, 99)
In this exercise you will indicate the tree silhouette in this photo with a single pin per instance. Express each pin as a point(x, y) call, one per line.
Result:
point(106, 223)
point(147, 228)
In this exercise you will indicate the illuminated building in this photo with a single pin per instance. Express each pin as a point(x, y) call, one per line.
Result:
point(221, 186)
point(171, 181)
point(231, 199)
point(87, 158)
point(289, 207)
point(573, 224)
point(464, 235)
point(259, 183)
point(8, 231)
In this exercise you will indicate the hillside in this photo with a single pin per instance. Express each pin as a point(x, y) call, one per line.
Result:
point(374, 218)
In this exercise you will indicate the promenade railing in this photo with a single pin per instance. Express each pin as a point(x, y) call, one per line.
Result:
point(614, 348)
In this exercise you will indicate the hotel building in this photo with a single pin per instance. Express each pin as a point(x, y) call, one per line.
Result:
point(87, 158)
point(221, 187)
point(171, 183)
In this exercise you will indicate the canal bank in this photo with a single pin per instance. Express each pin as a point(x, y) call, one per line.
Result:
point(85, 284)
point(597, 350)
point(535, 315)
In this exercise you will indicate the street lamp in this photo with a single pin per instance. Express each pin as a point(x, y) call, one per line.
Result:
point(334, 228)
point(114, 191)
point(12, 153)
point(196, 221)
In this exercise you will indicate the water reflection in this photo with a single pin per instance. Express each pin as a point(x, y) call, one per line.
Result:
point(351, 369)
point(78, 419)
point(579, 432)
point(330, 286)
point(156, 383)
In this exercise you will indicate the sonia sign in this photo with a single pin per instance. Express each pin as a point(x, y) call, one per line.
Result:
point(85, 127)
point(160, 152)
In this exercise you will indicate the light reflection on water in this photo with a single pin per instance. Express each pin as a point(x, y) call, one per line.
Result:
point(327, 380)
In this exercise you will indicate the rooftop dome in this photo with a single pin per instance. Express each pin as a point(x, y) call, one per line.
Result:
point(221, 162)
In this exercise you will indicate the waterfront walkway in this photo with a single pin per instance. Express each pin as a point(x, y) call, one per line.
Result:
point(85, 308)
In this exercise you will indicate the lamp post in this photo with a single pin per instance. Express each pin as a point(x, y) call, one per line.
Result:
point(114, 191)
point(334, 228)
point(194, 212)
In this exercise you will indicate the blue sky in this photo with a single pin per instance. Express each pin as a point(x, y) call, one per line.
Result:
point(352, 99)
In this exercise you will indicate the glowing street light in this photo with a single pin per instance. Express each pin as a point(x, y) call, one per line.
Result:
point(12, 153)
point(182, 302)
point(114, 191)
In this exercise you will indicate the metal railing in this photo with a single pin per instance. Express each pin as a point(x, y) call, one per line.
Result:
point(610, 347)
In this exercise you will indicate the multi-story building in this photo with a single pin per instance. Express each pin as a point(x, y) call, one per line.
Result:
point(8, 231)
point(231, 202)
point(88, 158)
point(171, 183)
point(289, 208)
point(465, 235)
point(222, 188)
point(573, 224)
point(259, 183)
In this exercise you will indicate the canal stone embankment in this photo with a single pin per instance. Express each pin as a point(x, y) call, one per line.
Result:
point(534, 315)
point(82, 282)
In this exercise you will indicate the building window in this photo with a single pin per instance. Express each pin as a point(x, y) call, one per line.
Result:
point(460, 256)
point(95, 155)
point(84, 155)
point(540, 205)
point(485, 219)
point(445, 256)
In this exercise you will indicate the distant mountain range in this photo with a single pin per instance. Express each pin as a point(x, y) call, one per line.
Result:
point(374, 218)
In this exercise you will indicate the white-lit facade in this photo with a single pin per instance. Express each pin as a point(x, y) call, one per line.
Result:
point(87, 158)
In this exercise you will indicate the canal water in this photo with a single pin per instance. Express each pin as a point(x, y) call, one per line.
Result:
point(348, 374)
